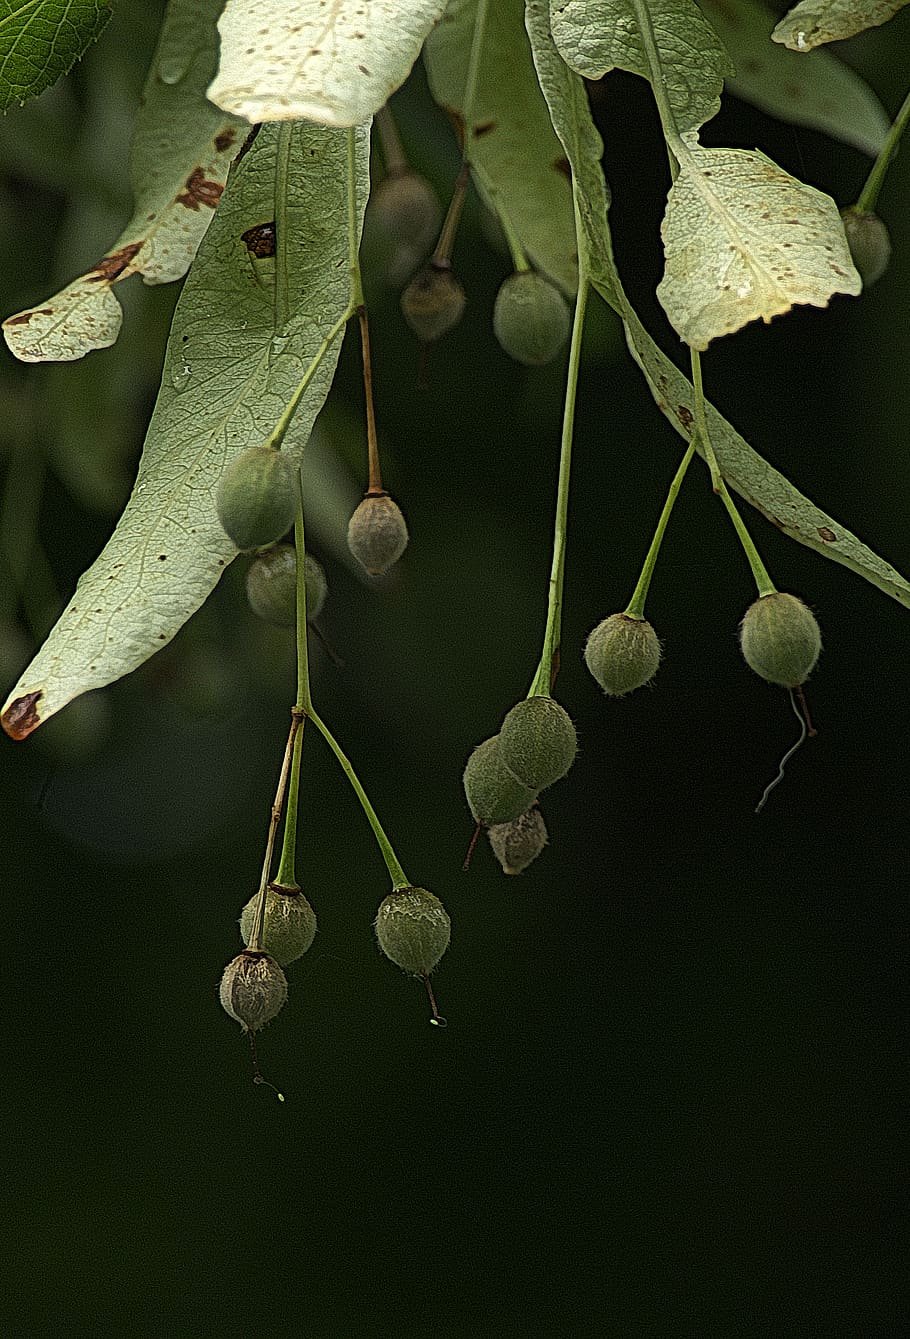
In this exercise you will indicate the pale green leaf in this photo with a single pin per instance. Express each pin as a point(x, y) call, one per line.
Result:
point(41, 39)
point(242, 338)
point(332, 61)
point(813, 22)
point(596, 36)
point(816, 90)
point(182, 149)
point(745, 241)
point(517, 161)
point(744, 469)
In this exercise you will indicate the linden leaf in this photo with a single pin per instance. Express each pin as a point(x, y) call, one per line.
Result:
point(746, 241)
point(181, 151)
point(596, 36)
point(41, 39)
point(516, 159)
point(813, 22)
point(816, 90)
point(336, 63)
point(247, 326)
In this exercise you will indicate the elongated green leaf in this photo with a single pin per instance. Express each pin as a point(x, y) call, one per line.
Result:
point(744, 469)
point(815, 90)
point(596, 36)
point(335, 63)
point(41, 39)
point(813, 22)
point(182, 148)
point(247, 326)
point(517, 161)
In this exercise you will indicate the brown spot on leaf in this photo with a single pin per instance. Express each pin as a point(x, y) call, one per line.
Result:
point(260, 241)
point(224, 140)
point(248, 142)
point(483, 128)
point(111, 267)
point(199, 191)
point(684, 415)
point(827, 534)
point(564, 166)
point(20, 717)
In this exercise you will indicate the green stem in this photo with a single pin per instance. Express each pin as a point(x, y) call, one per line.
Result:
point(636, 606)
point(442, 256)
point(282, 171)
point(353, 240)
point(287, 866)
point(276, 436)
point(543, 679)
point(256, 938)
point(516, 250)
point(396, 164)
point(473, 73)
point(674, 143)
point(868, 196)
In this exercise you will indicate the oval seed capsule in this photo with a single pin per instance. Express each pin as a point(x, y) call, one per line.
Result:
point(257, 498)
point(530, 319)
point(401, 223)
point(290, 923)
point(869, 242)
point(413, 930)
point(538, 742)
point(516, 844)
point(623, 654)
point(271, 586)
point(494, 795)
point(780, 639)
point(433, 302)
point(377, 533)
point(253, 989)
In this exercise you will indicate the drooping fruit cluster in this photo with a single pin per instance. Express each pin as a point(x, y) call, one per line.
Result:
point(780, 639)
point(413, 930)
point(530, 318)
point(290, 923)
point(271, 586)
point(253, 989)
point(623, 654)
point(377, 533)
point(257, 497)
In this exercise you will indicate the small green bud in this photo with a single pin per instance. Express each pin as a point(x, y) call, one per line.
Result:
point(377, 533)
point(494, 795)
point(623, 654)
point(253, 989)
point(780, 639)
point(870, 245)
point(433, 302)
point(401, 223)
point(290, 923)
point(517, 843)
point(271, 586)
point(413, 930)
point(530, 319)
point(537, 742)
point(257, 497)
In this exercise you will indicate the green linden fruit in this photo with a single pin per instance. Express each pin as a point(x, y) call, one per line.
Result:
point(870, 245)
point(257, 497)
point(253, 989)
point(517, 843)
point(377, 533)
point(494, 795)
point(623, 654)
point(780, 639)
point(402, 220)
point(413, 930)
point(530, 319)
point(433, 302)
point(290, 923)
point(537, 742)
point(271, 586)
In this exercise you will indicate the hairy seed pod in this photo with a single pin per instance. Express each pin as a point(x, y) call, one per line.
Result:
point(413, 930)
point(290, 923)
point(516, 844)
point(869, 242)
point(530, 318)
point(494, 795)
point(253, 989)
point(537, 742)
point(401, 223)
point(257, 497)
point(271, 586)
point(623, 654)
point(433, 302)
point(780, 639)
point(377, 533)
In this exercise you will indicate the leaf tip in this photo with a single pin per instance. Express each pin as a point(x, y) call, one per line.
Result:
point(21, 716)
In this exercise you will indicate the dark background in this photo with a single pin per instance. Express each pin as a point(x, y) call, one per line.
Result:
point(671, 1099)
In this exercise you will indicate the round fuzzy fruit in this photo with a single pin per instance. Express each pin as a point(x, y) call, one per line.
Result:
point(257, 498)
point(530, 319)
point(869, 242)
point(290, 923)
point(433, 302)
point(377, 533)
point(494, 795)
point(401, 223)
point(413, 930)
point(780, 639)
point(271, 586)
point(537, 742)
point(623, 654)
point(517, 843)
point(253, 989)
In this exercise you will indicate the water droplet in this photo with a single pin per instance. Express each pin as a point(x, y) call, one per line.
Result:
point(180, 376)
point(171, 69)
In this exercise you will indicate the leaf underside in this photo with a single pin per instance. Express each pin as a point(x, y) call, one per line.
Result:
point(40, 40)
point(813, 22)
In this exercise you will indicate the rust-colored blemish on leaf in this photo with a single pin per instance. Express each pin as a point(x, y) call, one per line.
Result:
point(111, 267)
point(260, 241)
point(21, 716)
point(564, 166)
point(224, 140)
point(483, 128)
point(24, 317)
point(684, 415)
point(827, 534)
point(199, 191)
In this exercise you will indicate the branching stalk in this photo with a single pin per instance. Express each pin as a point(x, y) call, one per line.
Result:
point(868, 196)
point(636, 606)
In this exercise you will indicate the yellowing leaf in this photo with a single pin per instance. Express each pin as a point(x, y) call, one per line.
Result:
point(745, 241)
point(182, 149)
point(331, 61)
point(813, 22)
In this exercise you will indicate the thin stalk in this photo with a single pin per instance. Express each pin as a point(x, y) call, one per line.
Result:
point(255, 941)
point(868, 196)
point(472, 76)
point(277, 435)
point(282, 172)
point(664, 110)
point(396, 164)
point(374, 486)
point(353, 240)
point(287, 866)
point(516, 250)
point(442, 256)
point(636, 606)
